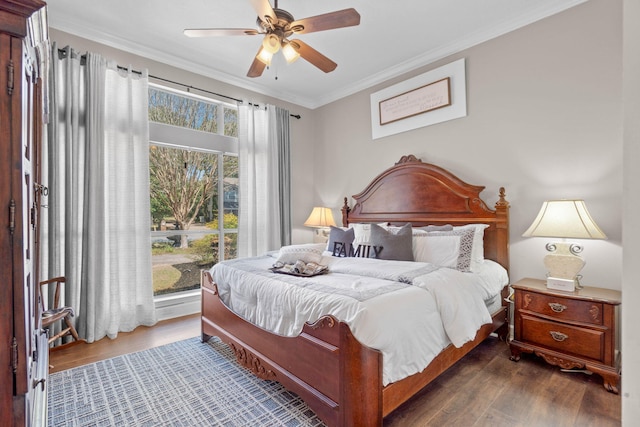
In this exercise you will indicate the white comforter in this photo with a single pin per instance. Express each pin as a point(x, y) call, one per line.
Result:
point(409, 311)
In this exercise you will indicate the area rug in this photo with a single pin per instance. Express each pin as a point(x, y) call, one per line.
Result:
point(187, 383)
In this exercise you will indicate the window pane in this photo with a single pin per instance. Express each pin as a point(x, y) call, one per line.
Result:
point(189, 193)
point(177, 269)
point(173, 109)
point(230, 182)
point(231, 122)
point(183, 188)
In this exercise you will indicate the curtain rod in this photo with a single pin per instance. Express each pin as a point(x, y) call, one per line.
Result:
point(83, 57)
point(297, 116)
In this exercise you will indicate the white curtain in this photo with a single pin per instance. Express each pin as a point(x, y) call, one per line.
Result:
point(264, 221)
point(95, 230)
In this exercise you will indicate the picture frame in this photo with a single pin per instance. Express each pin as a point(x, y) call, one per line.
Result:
point(423, 99)
point(413, 115)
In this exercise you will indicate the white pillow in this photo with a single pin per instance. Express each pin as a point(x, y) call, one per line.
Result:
point(477, 252)
point(362, 232)
point(451, 249)
point(311, 252)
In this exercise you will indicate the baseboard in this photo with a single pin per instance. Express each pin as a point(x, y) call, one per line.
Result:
point(169, 307)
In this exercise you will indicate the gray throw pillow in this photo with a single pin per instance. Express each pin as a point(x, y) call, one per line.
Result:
point(395, 246)
point(344, 240)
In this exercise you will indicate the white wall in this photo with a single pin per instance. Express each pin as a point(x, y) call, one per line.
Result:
point(544, 120)
point(631, 236)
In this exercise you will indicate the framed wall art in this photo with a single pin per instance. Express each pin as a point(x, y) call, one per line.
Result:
point(433, 97)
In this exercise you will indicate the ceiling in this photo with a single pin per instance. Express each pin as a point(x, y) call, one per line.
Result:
point(393, 37)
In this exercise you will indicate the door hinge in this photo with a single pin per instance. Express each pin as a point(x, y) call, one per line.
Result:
point(10, 69)
point(14, 355)
point(34, 215)
point(12, 216)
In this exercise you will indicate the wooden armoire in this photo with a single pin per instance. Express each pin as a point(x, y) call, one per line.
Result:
point(24, 357)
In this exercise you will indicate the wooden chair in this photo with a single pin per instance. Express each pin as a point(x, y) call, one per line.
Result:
point(53, 314)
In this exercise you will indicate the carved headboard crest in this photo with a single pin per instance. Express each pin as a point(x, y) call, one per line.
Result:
point(421, 194)
point(407, 159)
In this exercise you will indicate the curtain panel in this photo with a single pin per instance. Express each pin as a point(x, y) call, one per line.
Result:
point(264, 220)
point(95, 230)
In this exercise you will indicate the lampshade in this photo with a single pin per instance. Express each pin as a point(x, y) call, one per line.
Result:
point(565, 219)
point(290, 54)
point(320, 217)
point(265, 56)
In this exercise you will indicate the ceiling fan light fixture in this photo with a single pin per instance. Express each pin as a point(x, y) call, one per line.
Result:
point(265, 56)
point(290, 54)
point(271, 43)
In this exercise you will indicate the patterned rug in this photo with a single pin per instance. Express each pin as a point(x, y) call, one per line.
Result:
point(187, 383)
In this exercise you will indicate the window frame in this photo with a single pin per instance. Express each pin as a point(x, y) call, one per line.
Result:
point(164, 135)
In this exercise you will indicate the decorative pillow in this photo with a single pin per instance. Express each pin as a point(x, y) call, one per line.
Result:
point(362, 233)
point(395, 245)
point(343, 237)
point(429, 228)
point(307, 253)
point(477, 252)
point(450, 249)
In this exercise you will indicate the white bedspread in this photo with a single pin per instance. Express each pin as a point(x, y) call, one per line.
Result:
point(409, 311)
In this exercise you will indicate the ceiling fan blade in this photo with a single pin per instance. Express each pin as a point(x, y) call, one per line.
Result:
point(313, 56)
point(257, 66)
point(215, 32)
point(263, 9)
point(327, 21)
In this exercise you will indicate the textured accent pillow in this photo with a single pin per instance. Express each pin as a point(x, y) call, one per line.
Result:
point(451, 249)
point(307, 253)
point(477, 253)
point(343, 236)
point(396, 244)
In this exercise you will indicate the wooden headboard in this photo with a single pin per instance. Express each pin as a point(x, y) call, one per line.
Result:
point(423, 194)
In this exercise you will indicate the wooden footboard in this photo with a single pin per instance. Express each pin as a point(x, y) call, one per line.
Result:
point(338, 377)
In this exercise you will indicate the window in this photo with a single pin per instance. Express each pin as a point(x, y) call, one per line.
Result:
point(192, 162)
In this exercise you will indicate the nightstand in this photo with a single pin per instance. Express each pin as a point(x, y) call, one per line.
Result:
point(572, 330)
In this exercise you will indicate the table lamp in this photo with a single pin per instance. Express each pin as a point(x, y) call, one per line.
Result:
point(321, 219)
point(566, 219)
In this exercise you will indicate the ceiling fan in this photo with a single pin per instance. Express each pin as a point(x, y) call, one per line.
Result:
point(278, 25)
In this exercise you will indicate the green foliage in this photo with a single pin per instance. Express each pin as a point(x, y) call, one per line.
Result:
point(203, 248)
point(230, 220)
point(206, 249)
point(159, 248)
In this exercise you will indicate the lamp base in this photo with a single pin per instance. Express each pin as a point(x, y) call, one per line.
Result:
point(321, 235)
point(563, 261)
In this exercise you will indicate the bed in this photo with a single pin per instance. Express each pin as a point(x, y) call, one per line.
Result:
point(340, 378)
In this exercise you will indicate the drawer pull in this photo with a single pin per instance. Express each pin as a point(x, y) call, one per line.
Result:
point(558, 336)
point(557, 307)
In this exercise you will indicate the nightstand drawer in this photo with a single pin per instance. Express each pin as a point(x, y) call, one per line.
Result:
point(562, 308)
point(583, 342)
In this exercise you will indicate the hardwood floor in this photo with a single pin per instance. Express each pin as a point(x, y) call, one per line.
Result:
point(164, 332)
point(483, 389)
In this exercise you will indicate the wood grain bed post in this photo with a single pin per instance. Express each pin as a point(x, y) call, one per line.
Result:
point(502, 226)
point(361, 376)
point(345, 213)
point(502, 254)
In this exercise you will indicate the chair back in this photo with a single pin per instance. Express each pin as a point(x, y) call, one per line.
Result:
point(44, 286)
